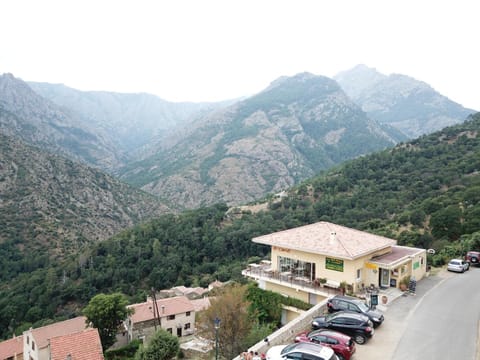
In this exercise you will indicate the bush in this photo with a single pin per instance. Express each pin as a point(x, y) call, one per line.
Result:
point(162, 346)
point(126, 352)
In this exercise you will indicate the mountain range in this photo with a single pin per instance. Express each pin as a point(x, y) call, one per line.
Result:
point(59, 207)
point(295, 128)
point(409, 105)
point(236, 151)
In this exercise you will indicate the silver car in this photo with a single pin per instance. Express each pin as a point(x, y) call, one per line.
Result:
point(458, 265)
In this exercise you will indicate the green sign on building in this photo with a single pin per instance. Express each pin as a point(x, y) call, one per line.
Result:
point(416, 265)
point(334, 264)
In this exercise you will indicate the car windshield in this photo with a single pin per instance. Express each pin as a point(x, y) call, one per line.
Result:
point(288, 348)
point(455, 262)
point(362, 306)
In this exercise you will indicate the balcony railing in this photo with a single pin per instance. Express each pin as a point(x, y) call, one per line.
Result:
point(290, 279)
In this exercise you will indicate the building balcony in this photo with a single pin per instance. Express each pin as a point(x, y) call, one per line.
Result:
point(264, 272)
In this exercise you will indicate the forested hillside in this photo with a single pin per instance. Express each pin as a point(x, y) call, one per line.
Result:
point(424, 193)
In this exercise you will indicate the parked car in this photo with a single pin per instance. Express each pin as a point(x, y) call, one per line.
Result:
point(473, 257)
point(458, 265)
point(341, 344)
point(302, 350)
point(353, 324)
point(339, 302)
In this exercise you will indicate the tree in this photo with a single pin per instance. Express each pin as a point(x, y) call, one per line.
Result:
point(231, 307)
point(162, 346)
point(106, 313)
point(446, 222)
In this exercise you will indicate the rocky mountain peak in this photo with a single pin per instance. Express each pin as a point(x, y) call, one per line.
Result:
point(296, 127)
point(357, 79)
point(407, 104)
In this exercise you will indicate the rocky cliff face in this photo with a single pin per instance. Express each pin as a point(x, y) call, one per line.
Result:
point(411, 106)
point(295, 128)
point(37, 121)
point(131, 122)
point(49, 201)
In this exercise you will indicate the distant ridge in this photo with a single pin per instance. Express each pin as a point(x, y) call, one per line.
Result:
point(411, 106)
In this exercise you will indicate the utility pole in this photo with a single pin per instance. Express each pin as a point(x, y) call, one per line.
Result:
point(156, 313)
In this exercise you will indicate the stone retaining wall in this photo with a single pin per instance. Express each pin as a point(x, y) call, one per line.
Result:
point(285, 334)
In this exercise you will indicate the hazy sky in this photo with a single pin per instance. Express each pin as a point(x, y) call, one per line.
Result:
point(202, 50)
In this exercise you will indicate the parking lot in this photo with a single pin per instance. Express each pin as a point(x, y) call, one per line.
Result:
point(383, 344)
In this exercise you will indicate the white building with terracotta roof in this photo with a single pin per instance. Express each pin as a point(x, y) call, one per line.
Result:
point(36, 341)
point(84, 345)
point(307, 262)
point(175, 315)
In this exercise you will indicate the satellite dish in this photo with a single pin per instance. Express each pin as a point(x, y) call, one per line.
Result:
point(431, 251)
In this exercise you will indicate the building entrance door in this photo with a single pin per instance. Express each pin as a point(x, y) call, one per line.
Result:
point(384, 277)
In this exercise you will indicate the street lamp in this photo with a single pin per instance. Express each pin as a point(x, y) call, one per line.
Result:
point(216, 323)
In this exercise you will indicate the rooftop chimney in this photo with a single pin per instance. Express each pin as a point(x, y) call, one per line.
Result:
point(333, 236)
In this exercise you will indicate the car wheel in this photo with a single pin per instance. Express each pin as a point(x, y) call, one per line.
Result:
point(474, 260)
point(340, 357)
point(360, 339)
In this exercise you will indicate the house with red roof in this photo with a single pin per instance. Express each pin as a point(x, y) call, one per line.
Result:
point(12, 349)
point(310, 261)
point(83, 345)
point(36, 341)
point(175, 315)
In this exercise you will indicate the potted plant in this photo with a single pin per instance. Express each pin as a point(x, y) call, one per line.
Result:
point(404, 282)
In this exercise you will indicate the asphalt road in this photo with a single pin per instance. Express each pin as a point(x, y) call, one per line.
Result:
point(440, 322)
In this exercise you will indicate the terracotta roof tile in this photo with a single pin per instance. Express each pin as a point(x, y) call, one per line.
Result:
point(84, 345)
point(42, 334)
point(10, 347)
point(168, 306)
point(201, 304)
point(327, 239)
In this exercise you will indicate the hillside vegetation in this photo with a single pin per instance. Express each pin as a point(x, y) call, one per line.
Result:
point(424, 193)
point(51, 207)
